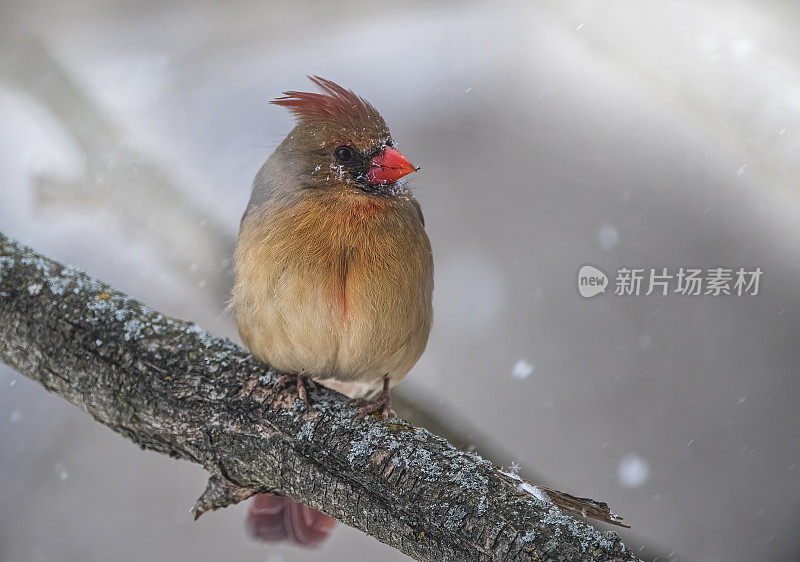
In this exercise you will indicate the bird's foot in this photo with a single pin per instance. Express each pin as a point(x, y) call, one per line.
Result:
point(382, 404)
point(300, 381)
point(379, 405)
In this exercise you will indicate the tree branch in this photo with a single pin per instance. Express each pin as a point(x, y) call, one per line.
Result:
point(172, 388)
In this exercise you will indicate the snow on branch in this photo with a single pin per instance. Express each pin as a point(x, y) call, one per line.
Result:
point(170, 387)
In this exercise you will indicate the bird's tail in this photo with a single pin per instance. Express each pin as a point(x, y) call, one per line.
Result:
point(273, 518)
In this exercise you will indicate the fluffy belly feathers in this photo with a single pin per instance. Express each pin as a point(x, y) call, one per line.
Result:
point(340, 294)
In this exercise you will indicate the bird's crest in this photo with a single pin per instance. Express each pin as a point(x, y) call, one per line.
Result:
point(334, 103)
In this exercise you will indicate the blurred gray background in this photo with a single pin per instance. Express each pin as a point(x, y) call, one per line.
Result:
point(550, 134)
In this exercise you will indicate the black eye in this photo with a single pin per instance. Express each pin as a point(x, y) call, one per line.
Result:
point(343, 154)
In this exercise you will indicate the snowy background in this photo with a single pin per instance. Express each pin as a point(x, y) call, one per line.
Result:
point(550, 135)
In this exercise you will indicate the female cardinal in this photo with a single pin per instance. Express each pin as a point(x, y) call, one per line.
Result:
point(333, 269)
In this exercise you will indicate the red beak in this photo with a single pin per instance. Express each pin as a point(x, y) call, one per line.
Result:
point(389, 166)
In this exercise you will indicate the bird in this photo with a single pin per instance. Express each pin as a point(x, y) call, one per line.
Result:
point(333, 270)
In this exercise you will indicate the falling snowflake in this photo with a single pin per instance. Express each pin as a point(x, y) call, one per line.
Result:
point(632, 471)
point(522, 369)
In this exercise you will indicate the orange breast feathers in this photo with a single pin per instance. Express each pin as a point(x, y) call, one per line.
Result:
point(338, 242)
point(352, 222)
point(335, 286)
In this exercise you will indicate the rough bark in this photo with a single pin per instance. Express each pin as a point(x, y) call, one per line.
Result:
point(172, 388)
